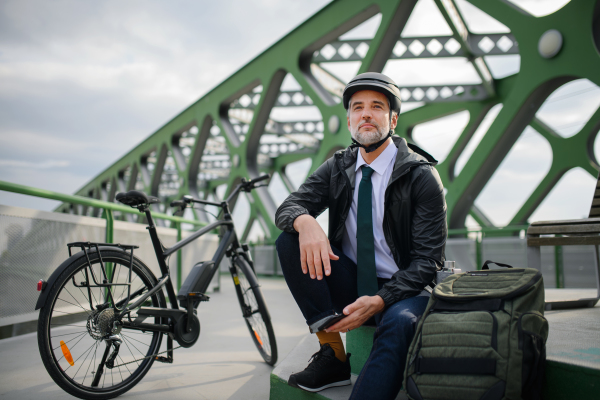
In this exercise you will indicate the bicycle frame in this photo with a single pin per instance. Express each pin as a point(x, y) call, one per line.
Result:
point(124, 302)
point(228, 239)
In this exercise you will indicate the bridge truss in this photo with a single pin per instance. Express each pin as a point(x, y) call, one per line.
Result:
point(284, 107)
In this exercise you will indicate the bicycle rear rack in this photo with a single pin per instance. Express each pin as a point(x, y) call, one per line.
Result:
point(106, 282)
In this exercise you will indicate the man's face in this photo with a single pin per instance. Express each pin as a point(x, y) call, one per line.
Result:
point(369, 117)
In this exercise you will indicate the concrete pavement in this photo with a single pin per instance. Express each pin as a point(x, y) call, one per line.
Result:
point(223, 364)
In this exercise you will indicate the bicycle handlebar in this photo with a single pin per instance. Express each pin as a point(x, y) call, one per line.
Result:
point(177, 203)
point(260, 178)
point(245, 185)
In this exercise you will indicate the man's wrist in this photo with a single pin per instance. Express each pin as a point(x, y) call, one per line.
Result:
point(378, 303)
point(300, 221)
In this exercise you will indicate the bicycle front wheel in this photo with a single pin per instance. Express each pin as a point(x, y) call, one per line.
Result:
point(254, 310)
point(82, 348)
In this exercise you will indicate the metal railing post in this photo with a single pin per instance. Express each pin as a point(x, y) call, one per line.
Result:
point(179, 255)
point(559, 266)
point(109, 237)
point(110, 225)
point(479, 251)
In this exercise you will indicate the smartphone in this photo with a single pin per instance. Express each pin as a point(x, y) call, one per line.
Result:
point(327, 322)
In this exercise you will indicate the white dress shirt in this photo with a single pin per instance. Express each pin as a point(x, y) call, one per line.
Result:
point(382, 166)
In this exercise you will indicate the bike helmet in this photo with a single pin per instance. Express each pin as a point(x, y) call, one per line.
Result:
point(377, 82)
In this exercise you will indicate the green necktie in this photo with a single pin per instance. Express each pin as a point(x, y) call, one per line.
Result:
point(365, 242)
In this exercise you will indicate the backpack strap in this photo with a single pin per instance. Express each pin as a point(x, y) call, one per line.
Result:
point(485, 264)
point(466, 305)
point(456, 366)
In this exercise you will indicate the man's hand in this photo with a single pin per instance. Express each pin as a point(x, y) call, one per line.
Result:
point(315, 250)
point(358, 313)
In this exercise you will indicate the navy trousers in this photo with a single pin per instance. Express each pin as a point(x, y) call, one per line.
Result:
point(381, 376)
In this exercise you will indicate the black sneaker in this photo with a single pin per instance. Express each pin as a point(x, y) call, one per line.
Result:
point(325, 371)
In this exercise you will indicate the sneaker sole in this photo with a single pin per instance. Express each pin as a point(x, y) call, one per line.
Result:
point(329, 385)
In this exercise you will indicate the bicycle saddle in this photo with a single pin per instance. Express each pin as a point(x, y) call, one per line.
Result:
point(135, 198)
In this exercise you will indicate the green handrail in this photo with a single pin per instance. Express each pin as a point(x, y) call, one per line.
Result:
point(107, 214)
point(483, 231)
point(86, 201)
point(509, 230)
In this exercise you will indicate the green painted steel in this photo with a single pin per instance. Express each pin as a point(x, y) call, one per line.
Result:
point(359, 342)
point(179, 258)
point(280, 390)
point(231, 132)
point(559, 271)
point(566, 381)
point(109, 217)
point(109, 237)
point(108, 210)
point(84, 201)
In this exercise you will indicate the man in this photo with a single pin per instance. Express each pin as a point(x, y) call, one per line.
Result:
point(387, 231)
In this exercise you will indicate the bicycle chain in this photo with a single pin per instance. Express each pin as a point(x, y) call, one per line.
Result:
point(142, 359)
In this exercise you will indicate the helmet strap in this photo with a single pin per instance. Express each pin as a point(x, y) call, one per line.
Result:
point(372, 147)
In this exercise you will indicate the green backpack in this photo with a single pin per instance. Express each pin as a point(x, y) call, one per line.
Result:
point(482, 336)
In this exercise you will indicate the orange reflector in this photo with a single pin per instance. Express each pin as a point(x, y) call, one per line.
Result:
point(258, 338)
point(67, 353)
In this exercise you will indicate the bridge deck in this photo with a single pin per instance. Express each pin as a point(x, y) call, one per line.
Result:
point(573, 355)
point(574, 336)
point(224, 364)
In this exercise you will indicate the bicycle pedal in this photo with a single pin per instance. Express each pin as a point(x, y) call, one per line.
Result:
point(168, 360)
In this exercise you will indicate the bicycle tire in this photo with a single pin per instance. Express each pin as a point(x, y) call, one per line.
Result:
point(254, 310)
point(65, 297)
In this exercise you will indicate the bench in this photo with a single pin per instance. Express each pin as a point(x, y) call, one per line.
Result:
point(568, 233)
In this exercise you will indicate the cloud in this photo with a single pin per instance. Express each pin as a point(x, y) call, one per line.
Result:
point(83, 83)
point(39, 165)
point(35, 143)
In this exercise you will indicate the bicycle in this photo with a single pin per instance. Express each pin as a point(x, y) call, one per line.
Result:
point(103, 313)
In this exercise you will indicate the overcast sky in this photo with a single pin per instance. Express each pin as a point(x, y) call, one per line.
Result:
point(81, 83)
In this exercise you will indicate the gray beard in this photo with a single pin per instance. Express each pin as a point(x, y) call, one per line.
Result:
point(368, 138)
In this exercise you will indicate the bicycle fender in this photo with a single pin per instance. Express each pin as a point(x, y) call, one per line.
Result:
point(52, 279)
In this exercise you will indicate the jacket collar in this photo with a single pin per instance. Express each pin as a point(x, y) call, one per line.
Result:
point(408, 156)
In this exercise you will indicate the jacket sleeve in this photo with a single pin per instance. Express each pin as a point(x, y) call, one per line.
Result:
point(428, 238)
point(311, 198)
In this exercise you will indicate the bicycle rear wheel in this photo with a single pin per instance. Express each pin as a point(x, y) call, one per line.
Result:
point(76, 321)
point(254, 310)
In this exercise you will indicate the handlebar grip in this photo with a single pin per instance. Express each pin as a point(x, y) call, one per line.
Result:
point(177, 203)
point(260, 178)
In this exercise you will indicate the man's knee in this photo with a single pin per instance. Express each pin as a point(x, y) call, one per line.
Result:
point(288, 250)
point(286, 241)
point(399, 318)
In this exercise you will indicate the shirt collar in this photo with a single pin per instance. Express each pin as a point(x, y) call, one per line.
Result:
point(382, 162)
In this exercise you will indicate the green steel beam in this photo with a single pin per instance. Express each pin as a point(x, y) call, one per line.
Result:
point(579, 154)
point(459, 28)
point(167, 164)
point(537, 79)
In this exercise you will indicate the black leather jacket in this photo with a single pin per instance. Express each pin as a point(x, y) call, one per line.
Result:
point(414, 222)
